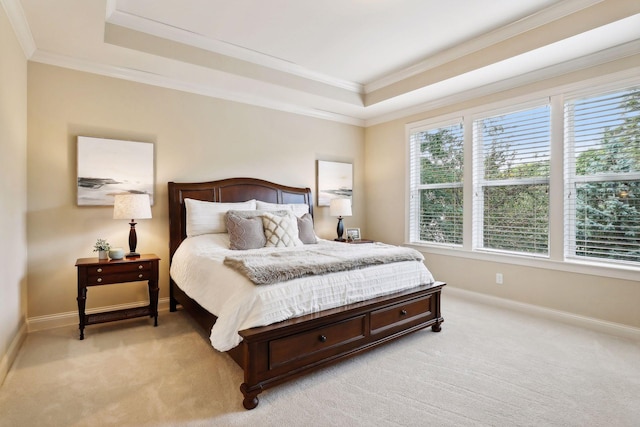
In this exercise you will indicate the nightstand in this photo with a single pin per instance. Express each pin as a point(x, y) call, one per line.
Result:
point(355, 241)
point(95, 272)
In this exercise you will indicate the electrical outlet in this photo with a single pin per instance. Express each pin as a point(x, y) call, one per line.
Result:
point(499, 279)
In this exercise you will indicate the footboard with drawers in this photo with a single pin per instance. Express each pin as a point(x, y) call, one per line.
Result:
point(277, 353)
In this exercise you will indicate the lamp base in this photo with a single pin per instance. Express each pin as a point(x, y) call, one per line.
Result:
point(340, 229)
point(133, 241)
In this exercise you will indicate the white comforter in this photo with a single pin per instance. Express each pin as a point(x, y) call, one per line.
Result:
point(239, 304)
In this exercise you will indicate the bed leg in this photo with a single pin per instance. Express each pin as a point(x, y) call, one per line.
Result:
point(173, 304)
point(250, 400)
point(436, 327)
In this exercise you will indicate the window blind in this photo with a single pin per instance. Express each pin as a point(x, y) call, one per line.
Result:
point(511, 168)
point(436, 184)
point(602, 176)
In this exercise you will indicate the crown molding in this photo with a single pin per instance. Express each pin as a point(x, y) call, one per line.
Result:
point(411, 103)
point(602, 57)
point(501, 34)
point(584, 62)
point(18, 21)
point(179, 35)
point(153, 79)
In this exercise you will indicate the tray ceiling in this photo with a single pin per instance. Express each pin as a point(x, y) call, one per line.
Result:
point(354, 61)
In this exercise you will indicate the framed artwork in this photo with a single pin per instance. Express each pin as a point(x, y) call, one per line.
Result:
point(335, 180)
point(107, 167)
point(353, 234)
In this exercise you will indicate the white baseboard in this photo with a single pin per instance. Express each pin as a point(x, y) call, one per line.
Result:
point(40, 323)
point(611, 328)
point(71, 318)
point(12, 352)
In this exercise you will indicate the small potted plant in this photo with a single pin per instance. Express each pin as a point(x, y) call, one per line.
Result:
point(102, 247)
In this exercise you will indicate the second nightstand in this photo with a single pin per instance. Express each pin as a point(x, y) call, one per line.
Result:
point(95, 272)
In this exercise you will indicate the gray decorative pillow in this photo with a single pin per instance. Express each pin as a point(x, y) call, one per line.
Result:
point(280, 231)
point(306, 234)
point(245, 233)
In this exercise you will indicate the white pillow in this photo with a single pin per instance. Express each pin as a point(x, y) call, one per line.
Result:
point(208, 217)
point(298, 209)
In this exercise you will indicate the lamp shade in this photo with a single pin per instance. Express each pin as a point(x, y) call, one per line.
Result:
point(132, 206)
point(340, 207)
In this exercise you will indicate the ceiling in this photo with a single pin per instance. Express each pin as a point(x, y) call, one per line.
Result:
point(353, 61)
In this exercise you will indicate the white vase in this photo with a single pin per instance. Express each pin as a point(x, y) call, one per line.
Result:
point(103, 254)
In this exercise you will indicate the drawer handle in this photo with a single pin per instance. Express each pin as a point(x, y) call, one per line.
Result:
point(403, 312)
point(140, 276)
point(140, 267)
point(99, 280)
point(99, 270)
point(322, 338)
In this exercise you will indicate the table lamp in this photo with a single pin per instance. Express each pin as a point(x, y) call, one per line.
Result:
point(340, 208)
point(132, 206)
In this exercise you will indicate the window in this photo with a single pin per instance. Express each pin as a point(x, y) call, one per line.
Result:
point(525, 183)
point(602, 176)
point(436, 184)
point(511, 195)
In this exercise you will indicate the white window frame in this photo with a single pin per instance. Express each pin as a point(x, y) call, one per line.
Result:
point(557, 259)
point(479, 183)
point(414, 184)
point(570, 178)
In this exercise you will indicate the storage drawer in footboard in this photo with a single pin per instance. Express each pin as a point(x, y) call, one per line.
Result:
point(400, 316)
point(309, 346)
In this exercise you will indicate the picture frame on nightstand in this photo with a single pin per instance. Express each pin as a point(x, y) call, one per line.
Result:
point(353, 234)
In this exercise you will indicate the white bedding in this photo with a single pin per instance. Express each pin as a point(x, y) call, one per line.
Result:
point(239, 304)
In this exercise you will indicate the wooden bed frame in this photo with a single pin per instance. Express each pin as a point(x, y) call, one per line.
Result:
point(280, 352)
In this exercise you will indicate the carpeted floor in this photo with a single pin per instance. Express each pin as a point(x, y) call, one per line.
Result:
point(488, 367)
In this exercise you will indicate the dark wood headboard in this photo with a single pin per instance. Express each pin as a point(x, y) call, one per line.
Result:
point(226, 190)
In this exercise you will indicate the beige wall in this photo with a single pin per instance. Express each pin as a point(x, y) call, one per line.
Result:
point(598, 297)
point(200, 138)
point(13, 191)
point(196, 138)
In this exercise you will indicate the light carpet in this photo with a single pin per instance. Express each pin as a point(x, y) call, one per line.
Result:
point(488, 367)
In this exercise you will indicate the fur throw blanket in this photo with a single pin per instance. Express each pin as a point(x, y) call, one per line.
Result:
point(279, 266)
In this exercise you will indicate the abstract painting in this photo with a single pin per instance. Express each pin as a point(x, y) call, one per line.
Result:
point(335, 180)
point(107, 167)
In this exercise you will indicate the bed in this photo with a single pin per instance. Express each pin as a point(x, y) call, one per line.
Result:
point(282, 351)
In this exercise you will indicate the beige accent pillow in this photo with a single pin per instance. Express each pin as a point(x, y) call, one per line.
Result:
point(280, 231)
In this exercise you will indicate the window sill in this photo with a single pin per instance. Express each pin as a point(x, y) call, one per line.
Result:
point(601, 269)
